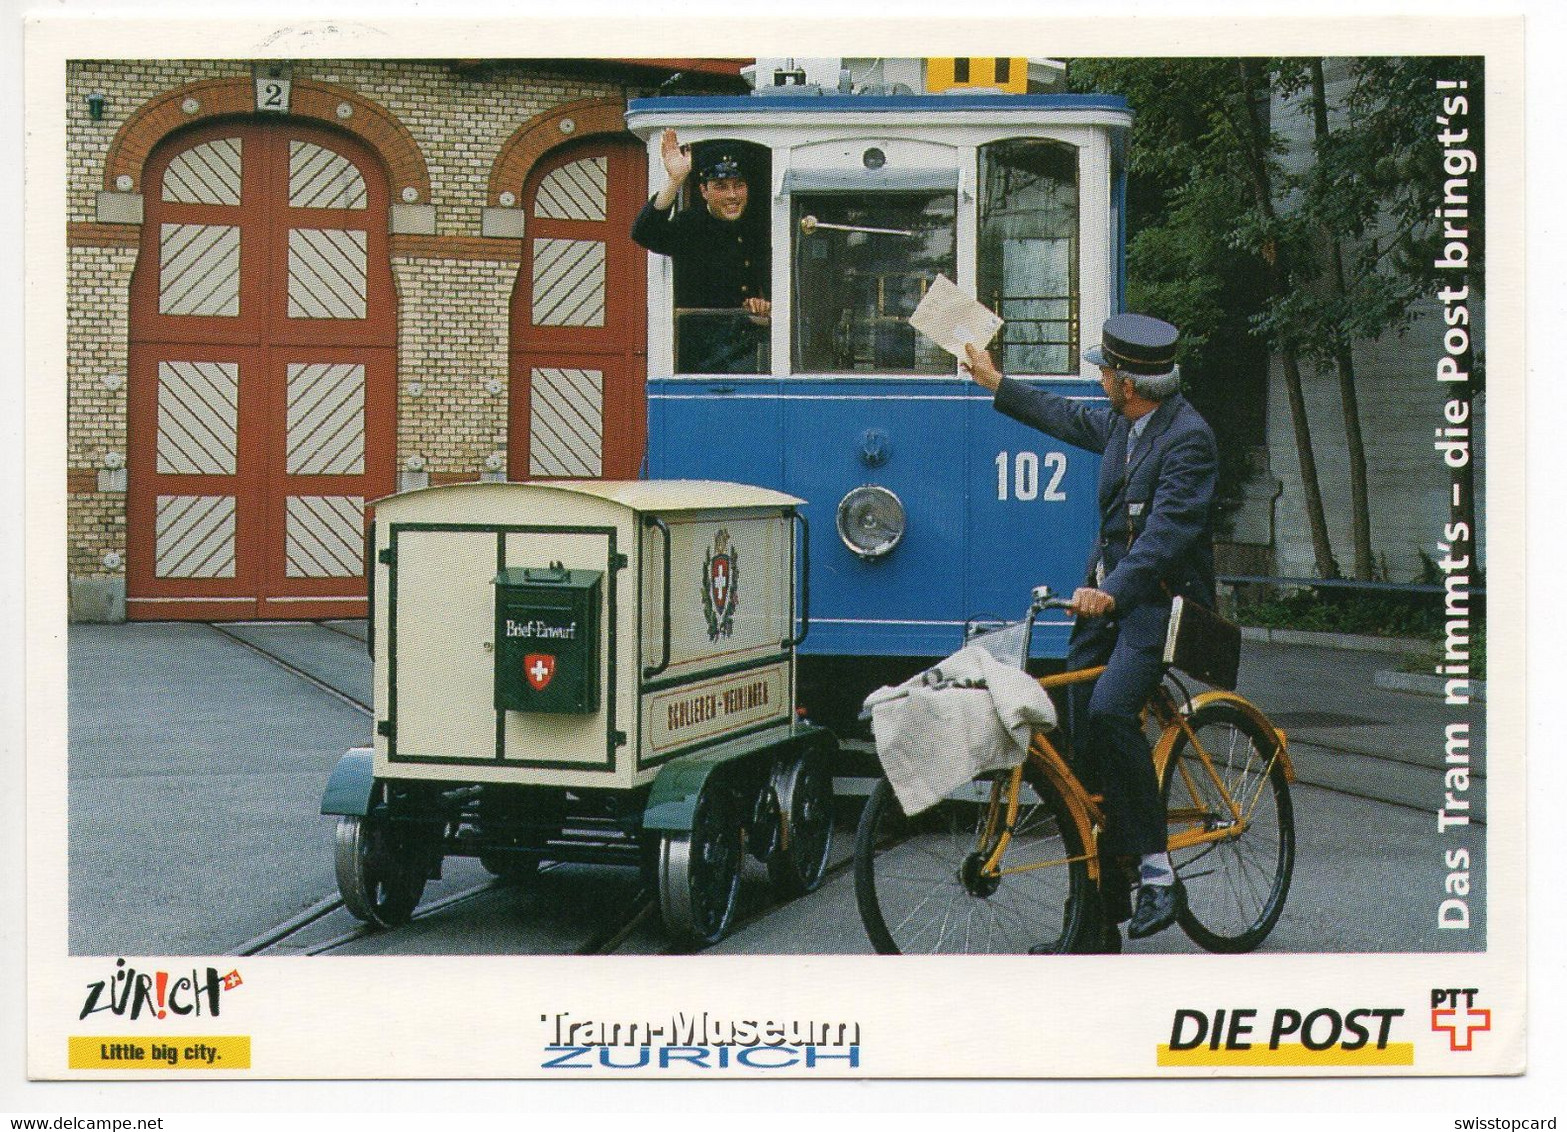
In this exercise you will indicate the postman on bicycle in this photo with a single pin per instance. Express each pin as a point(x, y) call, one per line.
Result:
point(1156, 489)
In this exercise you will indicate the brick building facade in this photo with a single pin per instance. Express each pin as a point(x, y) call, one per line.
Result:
point(179, 254)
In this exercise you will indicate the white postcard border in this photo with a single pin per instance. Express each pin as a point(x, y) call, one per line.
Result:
point(1050, 1026)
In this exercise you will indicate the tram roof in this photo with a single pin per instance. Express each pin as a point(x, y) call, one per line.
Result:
point(875, 104)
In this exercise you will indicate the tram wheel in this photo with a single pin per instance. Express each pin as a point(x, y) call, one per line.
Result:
point(805, 803)
point(699, 871)
point(380, 874)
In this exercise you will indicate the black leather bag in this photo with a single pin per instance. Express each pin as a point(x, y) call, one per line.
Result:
point(1203, 644)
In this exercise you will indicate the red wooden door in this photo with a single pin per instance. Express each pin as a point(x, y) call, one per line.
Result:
point(579, 316)
point(262, 412)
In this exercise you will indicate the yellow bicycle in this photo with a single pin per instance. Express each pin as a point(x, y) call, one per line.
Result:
point(1009, 862)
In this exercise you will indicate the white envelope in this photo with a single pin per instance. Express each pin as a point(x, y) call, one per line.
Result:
point(951, 319)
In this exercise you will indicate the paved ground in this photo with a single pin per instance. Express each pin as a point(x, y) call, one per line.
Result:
point(1342, 728)
point(196, 770)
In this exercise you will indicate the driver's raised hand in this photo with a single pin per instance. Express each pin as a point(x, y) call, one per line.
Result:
point(677, 158)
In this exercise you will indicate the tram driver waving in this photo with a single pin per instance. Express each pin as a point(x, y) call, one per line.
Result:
point(721, 255)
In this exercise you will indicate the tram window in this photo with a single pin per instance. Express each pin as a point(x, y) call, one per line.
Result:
point(1028, 252)
point(854, 289)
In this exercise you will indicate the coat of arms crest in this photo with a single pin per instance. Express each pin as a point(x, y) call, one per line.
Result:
point(719, 587)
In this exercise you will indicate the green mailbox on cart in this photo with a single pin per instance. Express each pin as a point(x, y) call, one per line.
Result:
point(546, 639)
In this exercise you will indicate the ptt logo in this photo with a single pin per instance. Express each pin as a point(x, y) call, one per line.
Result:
point(129, 993)
point(1454, 1013)
point(1326, 1035)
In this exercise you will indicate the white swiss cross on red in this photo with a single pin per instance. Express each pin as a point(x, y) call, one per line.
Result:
point(720, 580)
point(539, 668)
point(1461, 1029)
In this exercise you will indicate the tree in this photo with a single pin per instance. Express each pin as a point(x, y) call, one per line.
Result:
point(1334, 250)
point(1368, 200)
point(1204, 163)
point(1372, 193)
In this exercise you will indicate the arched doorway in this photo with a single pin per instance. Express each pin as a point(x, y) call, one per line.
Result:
point(578, 317)
point(262, 409)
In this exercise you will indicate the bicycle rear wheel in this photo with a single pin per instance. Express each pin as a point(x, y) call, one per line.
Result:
point(917, 880)
point(1235, 885)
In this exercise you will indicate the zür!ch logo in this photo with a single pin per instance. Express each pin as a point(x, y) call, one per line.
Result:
point(1460, 1025)
point(130, 993)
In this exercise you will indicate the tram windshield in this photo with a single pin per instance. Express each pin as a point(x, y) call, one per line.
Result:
point(861, 264)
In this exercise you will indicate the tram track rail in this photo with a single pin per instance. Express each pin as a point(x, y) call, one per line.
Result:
point(609, 939)
point(274, 941)
point(1395, 762)
point(1316, 783)
point(337, 627)
point(294, 669)
point(1313, 779)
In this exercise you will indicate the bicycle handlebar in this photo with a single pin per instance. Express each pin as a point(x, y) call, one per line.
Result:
point(1042, 599)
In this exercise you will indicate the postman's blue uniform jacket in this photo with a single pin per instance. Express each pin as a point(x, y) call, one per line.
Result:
point(1155, 541)
point(1155, 511)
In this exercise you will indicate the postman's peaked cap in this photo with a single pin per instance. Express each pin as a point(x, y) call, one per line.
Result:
point(1136, 343)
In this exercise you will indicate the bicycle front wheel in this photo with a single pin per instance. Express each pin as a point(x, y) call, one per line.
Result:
point(1234, 807)
point(922, 890)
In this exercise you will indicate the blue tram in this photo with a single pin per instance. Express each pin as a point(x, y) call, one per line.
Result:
point(927, 508)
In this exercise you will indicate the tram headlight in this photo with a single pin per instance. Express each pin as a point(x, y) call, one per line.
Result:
point(871, 521)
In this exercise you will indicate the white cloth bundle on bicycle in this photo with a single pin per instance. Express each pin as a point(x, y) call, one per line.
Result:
point(968, 715)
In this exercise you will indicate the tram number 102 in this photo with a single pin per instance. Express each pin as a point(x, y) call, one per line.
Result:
point(1018, 476)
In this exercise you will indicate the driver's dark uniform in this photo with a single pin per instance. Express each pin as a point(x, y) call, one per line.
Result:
point(718, 265)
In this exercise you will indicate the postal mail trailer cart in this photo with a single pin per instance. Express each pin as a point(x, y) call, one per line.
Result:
point(585, 671)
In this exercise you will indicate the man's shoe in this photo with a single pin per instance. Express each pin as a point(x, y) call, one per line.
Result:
point(1110, 942)
point(1158, 906)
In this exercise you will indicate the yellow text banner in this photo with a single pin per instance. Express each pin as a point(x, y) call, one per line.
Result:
point(120, 1051)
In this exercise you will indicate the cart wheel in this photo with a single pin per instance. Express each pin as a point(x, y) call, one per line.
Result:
point(380, 874)
point(699, 872)
point(805, 805)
